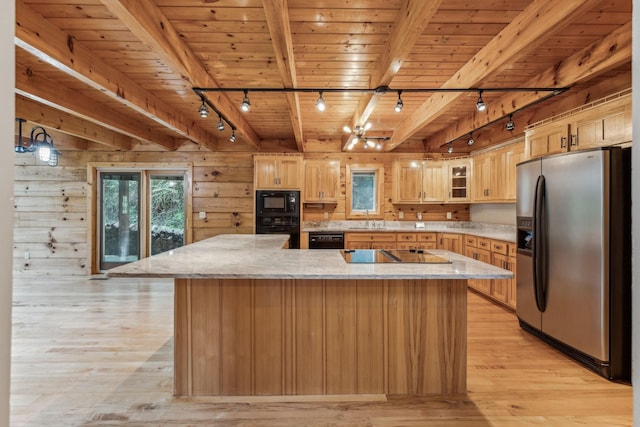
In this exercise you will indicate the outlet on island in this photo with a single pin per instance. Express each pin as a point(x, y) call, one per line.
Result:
point(448, 215)
point(419, 216)
point(325, 215)
point(400, 215)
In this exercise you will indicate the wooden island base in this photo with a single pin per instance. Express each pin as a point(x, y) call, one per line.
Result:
point(245, 337)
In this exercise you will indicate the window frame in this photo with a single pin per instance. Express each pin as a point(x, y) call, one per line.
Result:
point(378, 170)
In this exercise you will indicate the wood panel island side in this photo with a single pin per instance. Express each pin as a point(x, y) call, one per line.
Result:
point(252, 318)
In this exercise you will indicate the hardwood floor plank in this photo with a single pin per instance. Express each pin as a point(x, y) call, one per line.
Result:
point(100, 353)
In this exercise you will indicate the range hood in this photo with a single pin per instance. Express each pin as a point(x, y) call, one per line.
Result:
point(375, 256)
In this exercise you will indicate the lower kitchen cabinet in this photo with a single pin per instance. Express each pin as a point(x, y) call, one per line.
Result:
point(380, 240)
point(501, 254)
point(450, 242)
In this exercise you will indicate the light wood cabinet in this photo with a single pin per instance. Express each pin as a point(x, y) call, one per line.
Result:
point(458, 180)
point(472, 251)
point(277, 172)
point(450, 242)
point(418, 181)
point(416, 241)
point(321, 181)
point(494, 174)
point(382, 240)
point(607, 123)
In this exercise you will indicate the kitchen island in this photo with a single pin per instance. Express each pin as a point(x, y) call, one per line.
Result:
point(252, 318)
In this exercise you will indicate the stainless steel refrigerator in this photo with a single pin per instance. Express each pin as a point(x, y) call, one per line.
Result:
point(574, 255)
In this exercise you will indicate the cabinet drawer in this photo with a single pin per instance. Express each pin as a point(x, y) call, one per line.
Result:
point(471, 241)
point(427, 237)
point(407, 237)
point(484, 243)
point(370, 237)
point(513, 250)
point(499, 247)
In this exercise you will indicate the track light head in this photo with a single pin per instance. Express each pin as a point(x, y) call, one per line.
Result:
point(510, 125)
point(320, 104)
point(450, 149)
point(471, 140)
point(246, 104)
point(399, 104)
point(220, 123)
point(203, 110)
point(232, 138)
point(480, 105)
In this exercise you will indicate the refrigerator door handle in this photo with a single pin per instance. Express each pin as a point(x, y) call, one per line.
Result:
point(539, 243)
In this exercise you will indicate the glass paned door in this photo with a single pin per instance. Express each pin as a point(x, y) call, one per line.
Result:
point(119, 218)
point(167, 212)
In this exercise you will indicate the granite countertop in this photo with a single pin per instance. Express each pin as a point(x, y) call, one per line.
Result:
point(260, 256)
point(492, 231)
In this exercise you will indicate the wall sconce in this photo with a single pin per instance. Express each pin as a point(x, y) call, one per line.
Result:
point(40, 142)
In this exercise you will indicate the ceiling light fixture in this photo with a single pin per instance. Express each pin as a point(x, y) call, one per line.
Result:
point(358, 134)
point(203, 110)
point(232, 138)
point(480, 105)
point(510, 125)
point(220, 123)
point(246, 104)
point(399, 104)
point(450, 149)
point(39, 141)
point(320, 104)
point(471, 140)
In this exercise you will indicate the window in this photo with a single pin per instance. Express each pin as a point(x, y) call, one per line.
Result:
point(364, 191)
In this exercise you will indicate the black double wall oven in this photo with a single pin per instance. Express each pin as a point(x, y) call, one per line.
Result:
point(278, 212)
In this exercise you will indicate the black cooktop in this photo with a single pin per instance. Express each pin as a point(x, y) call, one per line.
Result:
point(374, 256)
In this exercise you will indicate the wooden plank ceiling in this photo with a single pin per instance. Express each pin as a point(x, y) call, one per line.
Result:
point(119, 74)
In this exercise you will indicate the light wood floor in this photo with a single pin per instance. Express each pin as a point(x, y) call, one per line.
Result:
point(99, 353)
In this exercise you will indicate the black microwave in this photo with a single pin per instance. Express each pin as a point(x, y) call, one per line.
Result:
point(278, 202)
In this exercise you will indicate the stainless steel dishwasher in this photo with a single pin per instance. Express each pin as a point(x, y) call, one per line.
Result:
point(326, 240)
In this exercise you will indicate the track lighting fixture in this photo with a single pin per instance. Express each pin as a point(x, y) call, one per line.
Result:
point(450, 149)
point(510, 125)
point(320, 104)
point(232, 138)
point(480, 105)
point(220, 123)
point(203, 110)
point(246, 104)
point(471, 140)
point(399, 104)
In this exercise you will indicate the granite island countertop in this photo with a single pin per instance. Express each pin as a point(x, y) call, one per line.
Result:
point(492, 231)
point(261, 256)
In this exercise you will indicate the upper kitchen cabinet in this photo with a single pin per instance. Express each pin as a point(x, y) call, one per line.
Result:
point(277, 172)
point(416, 181)
point(321, 181)
point(604, 122)
point(494, 173)
point(547, 139)
point(458, 180)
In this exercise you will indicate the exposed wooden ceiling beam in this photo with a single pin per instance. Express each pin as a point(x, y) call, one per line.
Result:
point(53, 46)
point(605, 54)
point(526, 31)
point(69, 124)
point(151, 26)
point(277, 13)
point(413, 18)
point(40, 89)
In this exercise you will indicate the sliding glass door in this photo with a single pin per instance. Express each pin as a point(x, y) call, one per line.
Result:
point(142, 213)
point(120, 218)
point(167, 212)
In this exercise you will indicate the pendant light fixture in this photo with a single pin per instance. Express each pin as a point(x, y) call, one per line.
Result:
point(510, 125)
point(450, 149)
point(220, 123)
point(232, 138)
point(471, 141)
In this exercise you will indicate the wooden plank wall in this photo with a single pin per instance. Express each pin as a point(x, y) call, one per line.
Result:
point(51, 202)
